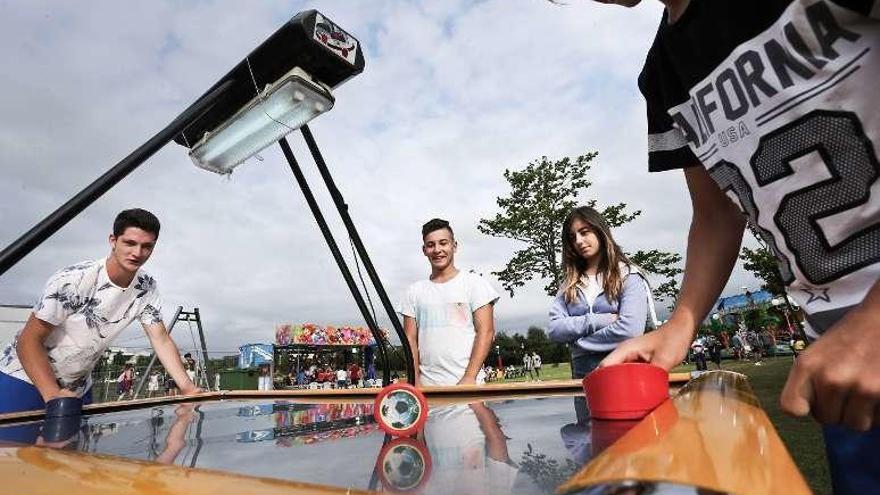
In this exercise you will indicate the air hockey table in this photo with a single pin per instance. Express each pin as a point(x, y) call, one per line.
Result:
point(711, 437)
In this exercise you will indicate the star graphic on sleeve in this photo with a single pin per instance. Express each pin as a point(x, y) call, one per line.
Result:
point(817, 294)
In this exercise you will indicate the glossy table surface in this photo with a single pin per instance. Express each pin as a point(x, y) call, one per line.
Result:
point(524, 445)
point(711, 435)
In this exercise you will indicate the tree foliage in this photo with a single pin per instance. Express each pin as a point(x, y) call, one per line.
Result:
point(512, 347)
point(541, 195)
point(119, 359)
point(763, 265)
point(660, 263)
point(759, 318)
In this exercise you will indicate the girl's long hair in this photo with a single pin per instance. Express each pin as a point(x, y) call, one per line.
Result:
point(574, 265)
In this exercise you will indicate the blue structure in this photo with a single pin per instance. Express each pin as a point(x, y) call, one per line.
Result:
point(742, 302)
point(253, 355)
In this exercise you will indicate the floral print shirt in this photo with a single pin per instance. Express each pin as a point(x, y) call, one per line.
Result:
point(88, 311)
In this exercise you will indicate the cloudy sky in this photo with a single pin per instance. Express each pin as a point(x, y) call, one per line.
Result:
point(454, 92)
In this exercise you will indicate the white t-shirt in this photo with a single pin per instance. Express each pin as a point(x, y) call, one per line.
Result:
point(88, 311)
point(444, 315)
point(341, 375)
point(591, 286)
point(153, 384)
point(461, 456)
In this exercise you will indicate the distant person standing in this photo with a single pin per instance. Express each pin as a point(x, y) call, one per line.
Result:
point(190, 364)
point(153, 384)
point(699, 350)
point(757, 347)
point(792, 339)
point(264, 382)
point(769, 341)
point(736, 345)
point(715, 351)
point(329, 377)
point(448, 318)
point(528, 367)
point(125, 381)
point(354, 375)
point(170, 386)
point(536, 364)
point(341, 378)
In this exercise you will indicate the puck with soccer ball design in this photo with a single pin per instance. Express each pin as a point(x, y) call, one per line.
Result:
point(404, 465)
point(401, 409)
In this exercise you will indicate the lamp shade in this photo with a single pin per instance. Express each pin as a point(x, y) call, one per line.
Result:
point(278, 110)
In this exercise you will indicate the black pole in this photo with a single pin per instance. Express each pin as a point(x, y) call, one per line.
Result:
point(66, 212)
point(199, 441)
point(362, 252)
point(337, 255)
point(206, 369)
point(146, 376)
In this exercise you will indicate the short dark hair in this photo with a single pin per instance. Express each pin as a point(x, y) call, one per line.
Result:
point(436, 224)
point(136, 217)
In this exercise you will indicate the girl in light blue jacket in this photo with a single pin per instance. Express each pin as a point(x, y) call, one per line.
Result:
point(603, 299)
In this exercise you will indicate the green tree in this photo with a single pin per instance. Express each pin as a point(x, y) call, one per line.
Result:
point(550, 352)
point(536, 340)
point(661, 263)
point(715, 327)
point(541, 196)
point(119, 359)
point(511, 347)
point(763, 265)
point(759, 317)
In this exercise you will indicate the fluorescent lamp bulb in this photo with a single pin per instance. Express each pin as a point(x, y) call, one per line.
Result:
point(278, 110)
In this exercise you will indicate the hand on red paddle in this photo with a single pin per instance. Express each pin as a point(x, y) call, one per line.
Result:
point(666, 347)
point(836, 380)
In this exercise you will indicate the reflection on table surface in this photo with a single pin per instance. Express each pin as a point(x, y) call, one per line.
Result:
point(712, 434)
point(503, 446)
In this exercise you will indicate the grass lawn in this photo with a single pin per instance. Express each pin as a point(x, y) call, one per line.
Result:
point(803, 437)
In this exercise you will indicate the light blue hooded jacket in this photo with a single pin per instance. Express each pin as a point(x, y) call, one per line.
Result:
point(588, 328)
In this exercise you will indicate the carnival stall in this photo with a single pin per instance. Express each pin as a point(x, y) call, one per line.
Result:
point(309, 347)
point(302, 424)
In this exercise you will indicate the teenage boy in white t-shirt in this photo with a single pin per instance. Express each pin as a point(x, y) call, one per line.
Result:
point(448, 319)
point(82, 309)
